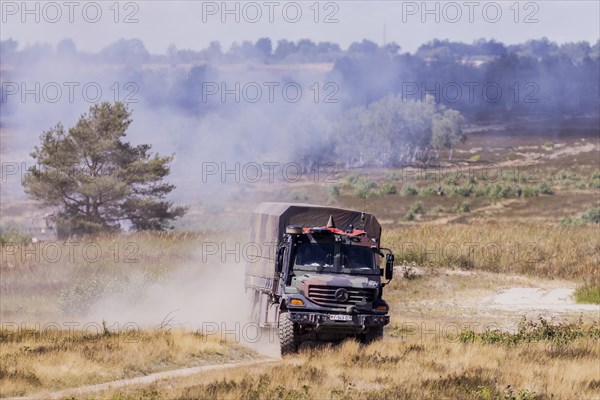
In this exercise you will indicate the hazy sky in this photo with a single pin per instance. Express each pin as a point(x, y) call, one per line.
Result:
point(194, 24)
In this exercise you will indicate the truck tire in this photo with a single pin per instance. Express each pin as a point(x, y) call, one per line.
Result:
point(372, 335)
point(288, 340)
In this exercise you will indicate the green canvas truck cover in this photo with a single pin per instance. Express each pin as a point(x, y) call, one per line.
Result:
point(268, 223)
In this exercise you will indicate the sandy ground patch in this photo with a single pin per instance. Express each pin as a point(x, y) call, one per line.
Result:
point(556, 300)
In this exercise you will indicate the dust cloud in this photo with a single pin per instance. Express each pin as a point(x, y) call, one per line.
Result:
point(206, 296)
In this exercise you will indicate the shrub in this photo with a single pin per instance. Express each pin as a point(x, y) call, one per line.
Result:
point(530, 191)
point(437, 209)
point(531, 331)
point(388, 188)
point(409, 216)
point(453, 180)
point(462, 262)
point(417, 208)
point(409, 272)
point(499, 191)
point(429, 191)
point(333, 191)
point(297, 196)
point(595, 181)
point(588, 294)
point(430, 176)
point(576, 178)
point(364, 188)
point(564, 174)
point(13, 236)
point(464, 207)
point(506, 192)
point(544, 188)
point(569, 221)
point(480, 191)
point(409, 190)
point(392, 175)
point(594, 184)
point(592, 215)
point(411, 256)
point(527, 179)
point(463, 191)
point(510, 178)
point(351, 179)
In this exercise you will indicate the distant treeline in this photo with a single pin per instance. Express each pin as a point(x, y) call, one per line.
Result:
point(479, 79)
point(372, 105)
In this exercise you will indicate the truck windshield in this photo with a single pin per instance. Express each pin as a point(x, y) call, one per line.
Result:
point(357, 257)
point(319, 256)
point(314, 255)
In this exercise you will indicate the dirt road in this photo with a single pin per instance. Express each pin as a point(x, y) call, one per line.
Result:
point(145, 380)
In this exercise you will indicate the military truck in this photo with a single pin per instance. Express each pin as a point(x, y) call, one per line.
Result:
point(323, 281)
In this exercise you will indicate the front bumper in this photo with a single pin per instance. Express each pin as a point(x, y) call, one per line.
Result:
point(318, 319)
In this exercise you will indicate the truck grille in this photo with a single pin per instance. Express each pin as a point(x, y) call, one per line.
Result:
point(326, 295)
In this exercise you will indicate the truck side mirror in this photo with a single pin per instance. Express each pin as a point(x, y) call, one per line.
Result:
point(279, 259)
point(389, 266)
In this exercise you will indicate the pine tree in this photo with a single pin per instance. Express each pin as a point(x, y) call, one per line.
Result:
point(97, 180)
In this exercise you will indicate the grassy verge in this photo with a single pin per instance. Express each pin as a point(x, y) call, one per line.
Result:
point(559, 336)
point(588, 294)
point(35, 360)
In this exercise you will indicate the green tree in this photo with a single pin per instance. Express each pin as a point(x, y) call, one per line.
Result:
point(97, 180)
point(393, 130)
point(447, 130)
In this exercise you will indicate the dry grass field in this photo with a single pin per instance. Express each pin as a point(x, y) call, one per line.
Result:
point(435, 366)
point(430, 361)
point(542, 250)
point(455, 331)
point(47, 359)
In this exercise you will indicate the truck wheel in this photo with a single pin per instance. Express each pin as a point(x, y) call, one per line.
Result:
point(372, 335)
point(288, 339)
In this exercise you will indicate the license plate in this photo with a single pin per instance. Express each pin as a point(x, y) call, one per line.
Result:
point(340, 317)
